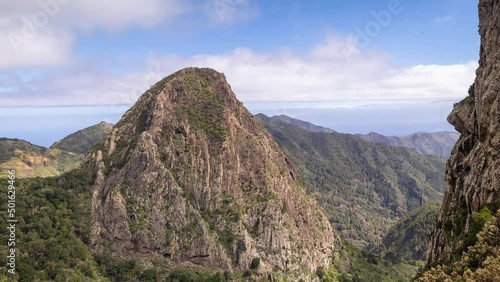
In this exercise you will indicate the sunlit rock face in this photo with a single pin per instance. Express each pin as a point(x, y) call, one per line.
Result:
point(188, 177)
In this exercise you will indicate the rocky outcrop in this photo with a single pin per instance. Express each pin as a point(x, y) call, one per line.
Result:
point(189, 178)
point(473, 171)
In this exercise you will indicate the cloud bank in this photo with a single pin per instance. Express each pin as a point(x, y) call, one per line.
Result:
point(43, 34)
point(323, 73)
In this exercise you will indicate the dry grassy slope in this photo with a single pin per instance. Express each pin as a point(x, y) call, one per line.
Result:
point(34, 161)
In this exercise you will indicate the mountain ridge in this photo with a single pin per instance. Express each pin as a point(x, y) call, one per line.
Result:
point(436, 143)
point(82, 140)
point(297, 122)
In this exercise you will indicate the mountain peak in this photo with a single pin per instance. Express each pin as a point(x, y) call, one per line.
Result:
point(188, 176)
point(201, 77)
point(192, 98)
point(81, 142)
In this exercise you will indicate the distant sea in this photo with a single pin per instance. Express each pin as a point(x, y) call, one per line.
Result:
point(46, 125)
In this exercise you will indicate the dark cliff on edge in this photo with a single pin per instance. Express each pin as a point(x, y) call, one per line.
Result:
point(188, 178)
point(473, 170)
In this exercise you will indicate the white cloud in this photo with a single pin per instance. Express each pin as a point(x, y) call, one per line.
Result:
point(118, 15)
point(110, 15)
point(83, 87)
point(33, 47)
point(444, 19)
point(229, 11)
point(324, 73)
point(328, 73)
point(40, 33)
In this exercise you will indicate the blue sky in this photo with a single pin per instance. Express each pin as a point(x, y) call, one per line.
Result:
point(356, 66)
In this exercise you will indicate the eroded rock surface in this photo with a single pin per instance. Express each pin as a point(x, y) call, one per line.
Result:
point(473, 171)
point(188, 177)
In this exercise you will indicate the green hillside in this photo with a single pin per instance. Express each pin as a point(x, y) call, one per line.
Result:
point(82, 140)
point(408, 239)
point(365, 188)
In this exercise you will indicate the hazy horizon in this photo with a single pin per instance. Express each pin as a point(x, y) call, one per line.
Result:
point(62, 121)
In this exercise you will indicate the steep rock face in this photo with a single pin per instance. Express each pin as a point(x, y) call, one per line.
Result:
point(473, 171)
point(187, 177)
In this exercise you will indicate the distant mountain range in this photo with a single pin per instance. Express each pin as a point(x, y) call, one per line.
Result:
point(433, 143)
point(32, 160)
point(436, 143)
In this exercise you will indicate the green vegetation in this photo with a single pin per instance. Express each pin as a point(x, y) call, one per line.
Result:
point(478, 221)
point(53, 228)
point(469, 100)
point(187, 275)
point(116, 269)
point(407, 240)
point(480, 261)
point(353, 265)
point(255, 263)
point(82, 141)
point(456, 234)
point(203, 110)
point(363, 187)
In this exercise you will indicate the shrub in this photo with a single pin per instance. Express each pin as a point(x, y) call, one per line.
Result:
point(255, 263)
